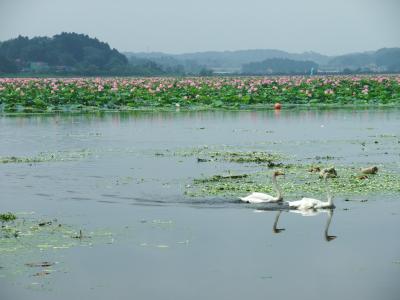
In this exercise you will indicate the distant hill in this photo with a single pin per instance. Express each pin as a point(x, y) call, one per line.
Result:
point(385, 59)
point(382, 60)
point(79, 54)
point(282, 66)
point(63, 52)
point(230, 61)
point(66, 53)
point(240, 57)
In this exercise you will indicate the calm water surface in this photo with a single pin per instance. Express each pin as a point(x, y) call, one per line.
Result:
point(176, 247)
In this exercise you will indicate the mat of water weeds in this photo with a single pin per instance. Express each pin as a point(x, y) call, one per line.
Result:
point(300, 179)
point(47, 157)
point(229, 154)
point(296, 183)
point(32, 246)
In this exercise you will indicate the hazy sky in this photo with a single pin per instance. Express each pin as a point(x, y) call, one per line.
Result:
point(176, 26)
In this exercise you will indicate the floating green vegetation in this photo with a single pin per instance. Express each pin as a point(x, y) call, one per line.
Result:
point(210, 154)
point(300, 180)
point(7, 217)
point(14, 159)
point(219, 178)
point(247, 157)
point(47, 157)
point(25, 235)
point(29, 243)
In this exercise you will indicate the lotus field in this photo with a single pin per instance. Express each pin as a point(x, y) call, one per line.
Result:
point(75, 94)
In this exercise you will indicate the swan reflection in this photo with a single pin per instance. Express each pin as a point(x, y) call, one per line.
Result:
point(275, 228)
point(315, 212)
point(305, 213)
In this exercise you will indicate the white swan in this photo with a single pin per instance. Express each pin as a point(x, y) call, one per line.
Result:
point(265, 198)
point(311, 203)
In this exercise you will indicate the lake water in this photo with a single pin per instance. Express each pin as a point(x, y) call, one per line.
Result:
point(170, 246)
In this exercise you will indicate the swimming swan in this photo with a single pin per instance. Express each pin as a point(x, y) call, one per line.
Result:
point(310, 203)
point(265, 198)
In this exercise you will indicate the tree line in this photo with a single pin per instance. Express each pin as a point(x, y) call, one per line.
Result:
point(68, 53)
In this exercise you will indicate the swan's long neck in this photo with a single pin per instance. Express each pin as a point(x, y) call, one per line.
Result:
point(277, 187)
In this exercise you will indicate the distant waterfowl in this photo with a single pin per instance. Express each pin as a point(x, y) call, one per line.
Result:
point(330, 171)
point(311, 203)
point(265, 198)
point(314, 169)
point(370, 170)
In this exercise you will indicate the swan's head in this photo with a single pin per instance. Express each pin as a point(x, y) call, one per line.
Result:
point(278, 173)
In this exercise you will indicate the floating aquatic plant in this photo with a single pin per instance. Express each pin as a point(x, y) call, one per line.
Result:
point(7, 217)
point(229, 154)
point(299, 181)
point(246, 157)
point(27, 95)
point(25, 241)
point(47, 157)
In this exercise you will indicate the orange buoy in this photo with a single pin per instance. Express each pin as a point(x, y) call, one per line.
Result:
point(277, 105)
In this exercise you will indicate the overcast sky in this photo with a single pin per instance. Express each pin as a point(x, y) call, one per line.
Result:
point(177, 26)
